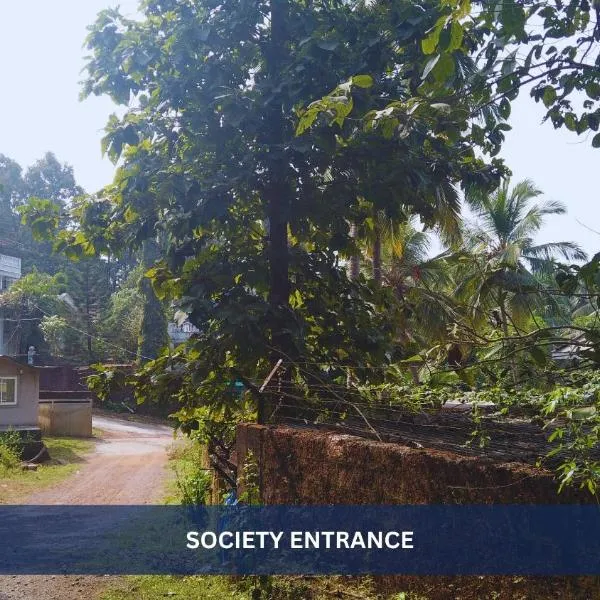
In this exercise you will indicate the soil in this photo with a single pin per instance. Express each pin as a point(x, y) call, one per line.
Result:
point(128, 466)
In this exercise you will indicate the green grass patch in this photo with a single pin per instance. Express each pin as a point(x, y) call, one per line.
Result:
point(187, 478)
point(247, 588)
point(188, 588)
point(67, 456)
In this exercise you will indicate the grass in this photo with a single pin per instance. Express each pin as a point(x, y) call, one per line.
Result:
point(184, 459)
point(243, 588)
point(66, 454)
point(188, 588)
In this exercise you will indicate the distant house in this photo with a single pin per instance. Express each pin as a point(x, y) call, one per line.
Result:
point(19, 395)
point(10, 271)
point(181, 333)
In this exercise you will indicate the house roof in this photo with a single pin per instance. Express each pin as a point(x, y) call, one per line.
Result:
point(7, 360)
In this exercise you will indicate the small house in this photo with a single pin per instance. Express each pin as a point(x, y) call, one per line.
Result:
point(19, 395)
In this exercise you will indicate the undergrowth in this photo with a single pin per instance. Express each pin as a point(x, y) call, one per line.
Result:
point(10, 446)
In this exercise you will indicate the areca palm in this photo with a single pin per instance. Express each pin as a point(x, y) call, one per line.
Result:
point(508, 267)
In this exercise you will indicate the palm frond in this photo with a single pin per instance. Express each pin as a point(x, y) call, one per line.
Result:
point(551, 250)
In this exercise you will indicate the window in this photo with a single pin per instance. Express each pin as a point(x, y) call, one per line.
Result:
point(8, 391)
point(6, 282)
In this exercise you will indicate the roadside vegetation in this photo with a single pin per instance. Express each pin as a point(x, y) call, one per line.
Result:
point(66, 454)
point(190, 480)
point(249, 588)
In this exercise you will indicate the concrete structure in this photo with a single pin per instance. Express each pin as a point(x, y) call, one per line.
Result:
point(19, 395)
point(10, 271)
point(178, 334)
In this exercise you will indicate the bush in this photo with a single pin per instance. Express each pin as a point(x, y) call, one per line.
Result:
point(193, 481)
point(10, 450)
point(194, 487)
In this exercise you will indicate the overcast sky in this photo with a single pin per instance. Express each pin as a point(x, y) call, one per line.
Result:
point(40, 69)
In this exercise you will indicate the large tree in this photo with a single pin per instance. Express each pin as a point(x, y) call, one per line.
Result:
point(11, 189)
point(254, 215)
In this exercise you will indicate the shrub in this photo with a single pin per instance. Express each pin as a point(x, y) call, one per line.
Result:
point(10, 450)
point(194, 486)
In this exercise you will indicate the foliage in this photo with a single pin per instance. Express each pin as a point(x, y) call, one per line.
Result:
point(565, 403)
point(503, 285)
point(253, 218)
point(574, 415)
point(79, 291)
point(121, 320)
point(550, 47)
point(193, 481)
point(245, 588)
point(264, 144)
point(10, 450)
point(55, 331)
point(152, 337)
point(249, 480)
point(153, 587)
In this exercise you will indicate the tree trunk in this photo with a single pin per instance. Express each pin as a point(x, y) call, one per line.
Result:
point(377, 270)
point(88, 314)
point(354, 270)
point(153, 335)
point(278, 197)
point(505, 333)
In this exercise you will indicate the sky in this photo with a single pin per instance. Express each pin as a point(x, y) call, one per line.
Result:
point(42, 55)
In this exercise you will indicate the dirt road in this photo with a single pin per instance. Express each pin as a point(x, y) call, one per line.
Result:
point(128, 466)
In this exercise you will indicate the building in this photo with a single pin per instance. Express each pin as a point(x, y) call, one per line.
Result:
point(10, 271)
point(178, 334)
point(19, 395)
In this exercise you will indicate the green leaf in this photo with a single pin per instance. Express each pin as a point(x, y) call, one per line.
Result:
point(430, 43)
point(570, 122)
point(596, 141)
point(456, 36)
point(430, 65)
point(442, 107)
point(444, 68)
point(549, 96)
point(592, 89)
point(362, 81)
point(539, 356)
point(504, 108)
point(583, 413)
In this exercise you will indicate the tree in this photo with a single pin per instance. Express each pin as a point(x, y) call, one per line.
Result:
point(121, 321)
point(507, 256)
point(254, 206)
point(40, 316)
point(88, 288)
point(11, 188)
point(550, 47)
point(52, 180)
point(152, 333)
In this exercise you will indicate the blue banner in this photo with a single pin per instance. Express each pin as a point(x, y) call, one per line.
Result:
point(309, 540)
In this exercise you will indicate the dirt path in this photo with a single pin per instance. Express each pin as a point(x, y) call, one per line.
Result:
point(128, 466)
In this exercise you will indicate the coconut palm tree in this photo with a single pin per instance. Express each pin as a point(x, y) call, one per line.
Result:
point(505, 279)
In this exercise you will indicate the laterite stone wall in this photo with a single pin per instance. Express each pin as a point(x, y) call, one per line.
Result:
point(305, 466)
